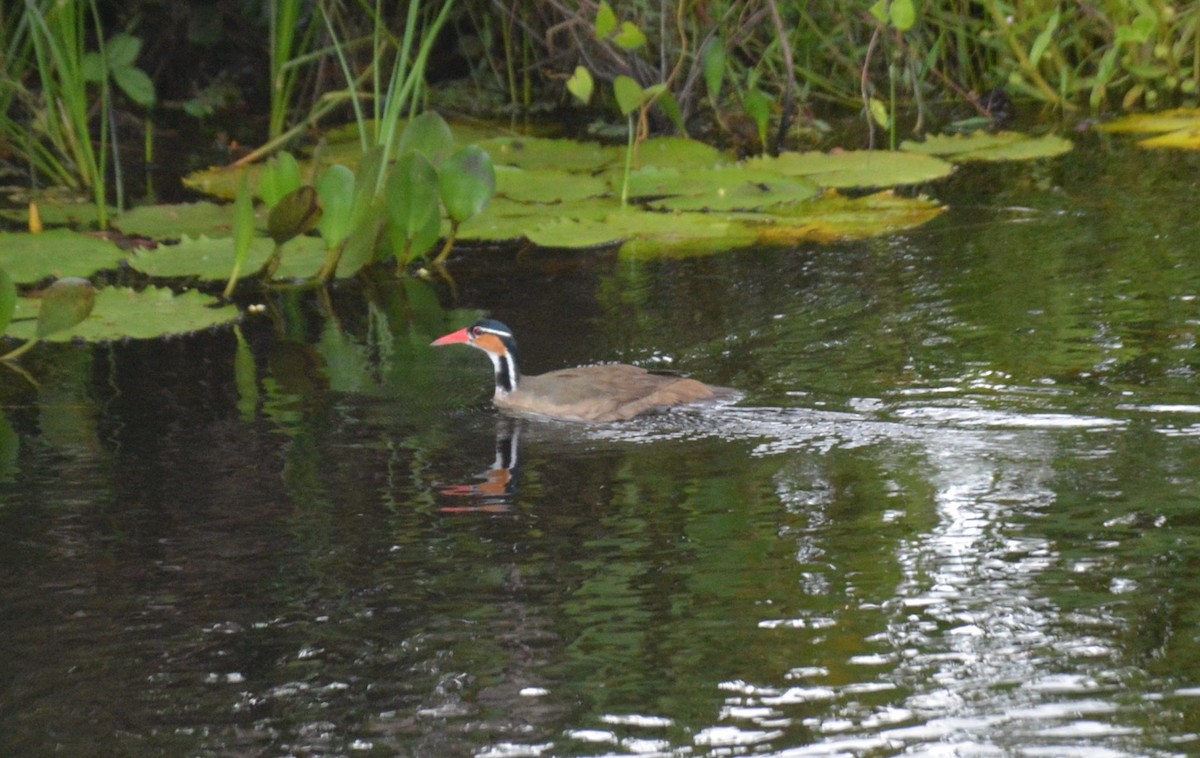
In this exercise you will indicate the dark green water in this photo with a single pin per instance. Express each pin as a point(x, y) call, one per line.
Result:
point(957, 512)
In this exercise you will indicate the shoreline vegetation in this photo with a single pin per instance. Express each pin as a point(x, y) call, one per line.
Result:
point(81, 76)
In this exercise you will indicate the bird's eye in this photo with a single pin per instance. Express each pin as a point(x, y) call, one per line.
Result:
point(476, 331)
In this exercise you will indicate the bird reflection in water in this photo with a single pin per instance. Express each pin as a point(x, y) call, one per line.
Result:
point(495, 491)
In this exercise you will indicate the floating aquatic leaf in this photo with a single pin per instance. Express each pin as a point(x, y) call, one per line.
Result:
point(30, 258)
point(210, 259)
point(411, 202)
point(532, 153)
point(721, 188)
point(983, 146)
point(679, 153)
point(171, 222)
point(1184, 139)
point(468, 182)
point(281, 176)
point(221, 181)
point(121, 313)
point(857, 168)
point(629, 223)
point(547, 185)
point(837, 218)
point(63, 305)
point(1153, 123)
point(336, 190)
point(428, 134)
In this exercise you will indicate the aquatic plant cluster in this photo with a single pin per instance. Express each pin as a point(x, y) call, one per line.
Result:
point(387, 189)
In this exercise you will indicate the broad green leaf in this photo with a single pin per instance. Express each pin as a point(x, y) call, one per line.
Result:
point(714, 66)
point(8, 299)
point(581, 85)
point(211, 259)
point(606, 20)
point(720, 189)
point(540, 152)
point(121, 313)
point(630, 94)
point(680, 153)
point(1164, 121)
point(547, 185)
point(171, 222)
point(630, 37)
point(30, 258)
point(409, 247)
point(93, 69)
point(984, 146)
point(281, 176)
point(902, 14)
point(670, 106)
point(879, 112)
point(1184, 139)
point(136, 85)
point(758, 108)
point(428, 134)
point(857, 168)
point(64, 304)
point(122, 50)
point(468, 182)
point(336, 190)
point(879, 10)
point(411, 194)
point(296, 213)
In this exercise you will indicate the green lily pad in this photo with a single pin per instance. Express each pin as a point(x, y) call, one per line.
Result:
point(982, 146)
point(57, 211)
point(209, 259)
point(547, 185)
point(668, 229)
point(1184, 139)
point(721, 188)
point(1155, 123)
point(172, 222)
point(857, 168)
point(58, 253)
point(221, 182)
point(837, 218)
point(121, 313)
point(679, 153)
point(542, 153)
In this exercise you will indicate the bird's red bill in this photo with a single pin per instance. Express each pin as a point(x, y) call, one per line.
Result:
point(454, 338)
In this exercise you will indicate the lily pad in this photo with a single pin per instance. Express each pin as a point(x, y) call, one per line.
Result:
point(221, 182)
point(1155, 123)
point(547, 185)
point(209, 259)
point(1184, 139)
point(667, 229)
point(58, 253)
point(721, 188)
point(543, 153)
point(857, 168)
point(982, 146)
point(172, 222)
point(679, 153)
point(121, 313)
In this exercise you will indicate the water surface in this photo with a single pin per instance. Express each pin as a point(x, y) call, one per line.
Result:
point(957, 512)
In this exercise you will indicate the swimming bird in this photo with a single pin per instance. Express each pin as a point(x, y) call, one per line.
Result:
point(604, 392)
